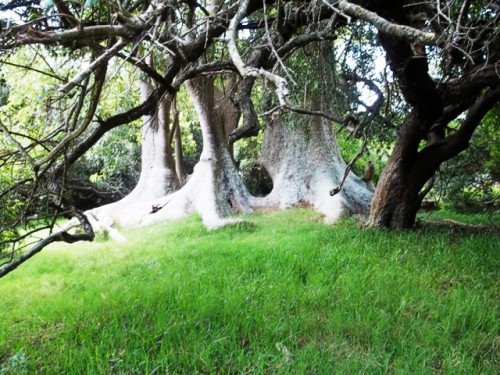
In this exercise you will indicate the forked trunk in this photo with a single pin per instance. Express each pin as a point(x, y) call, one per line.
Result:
point(215, 189)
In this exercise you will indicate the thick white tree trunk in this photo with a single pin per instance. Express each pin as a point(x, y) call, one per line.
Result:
point(215, 189)
point(157, 178)
point(305, 165)
point(180, 168)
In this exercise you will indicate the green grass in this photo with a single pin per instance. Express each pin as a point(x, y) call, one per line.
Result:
point(489, 219)
point(285, 295)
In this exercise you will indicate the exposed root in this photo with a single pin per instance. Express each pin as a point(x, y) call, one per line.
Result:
point(213, 195)
point(105, 224)
point(99, 224)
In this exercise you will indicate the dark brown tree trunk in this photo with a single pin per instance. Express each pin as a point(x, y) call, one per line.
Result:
point(398, 194)
point(396, 200)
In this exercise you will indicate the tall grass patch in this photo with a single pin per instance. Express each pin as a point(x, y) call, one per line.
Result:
point(287, 294)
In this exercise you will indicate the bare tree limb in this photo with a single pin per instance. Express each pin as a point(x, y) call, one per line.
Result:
point(100, 32)
point(61, 236)
point(19, 147)
point(349, 166)
point(147, 69)
point(409, 33)
point(102, 59)
point(245, 71)
point(32, 69)
point(450, 146)
point(96, 93)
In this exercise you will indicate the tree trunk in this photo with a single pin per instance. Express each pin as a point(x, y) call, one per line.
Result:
point(396, 200)
point(157, 163)
point(305, 165)
point(215, 189)
point(180, 168)
point(157, 178)
point(397, 197)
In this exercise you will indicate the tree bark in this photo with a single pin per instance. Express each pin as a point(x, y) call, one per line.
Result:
point(215, 189)
point(305, 165)
point(399, 192)
point(157, 178)
point(180, 168)
point(396, 201)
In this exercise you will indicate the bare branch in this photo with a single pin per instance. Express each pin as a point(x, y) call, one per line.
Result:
point(61, 236)
point(279, 82)
point(409, 33)
point(463, 14)
point(100, 32)
point(96, 93)
point(102, 59)
point(208, 68)
point(32, 69)
point(349, 166)
point(19, 147)
point(452, 145)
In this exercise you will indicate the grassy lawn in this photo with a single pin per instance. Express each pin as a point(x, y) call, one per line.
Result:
point(285, 295)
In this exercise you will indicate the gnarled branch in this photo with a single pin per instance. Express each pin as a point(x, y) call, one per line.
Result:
point(61, 236)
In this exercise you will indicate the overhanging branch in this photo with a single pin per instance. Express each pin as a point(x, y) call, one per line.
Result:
point(100, 77)
point(457, 142)
point(61, 236)
point(409, 33)
point(100, 32)
point(102, 59)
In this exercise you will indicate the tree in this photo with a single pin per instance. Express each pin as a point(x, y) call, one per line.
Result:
point(175, 43)
point(463, 86)
point(158, 172)
point(300, 149)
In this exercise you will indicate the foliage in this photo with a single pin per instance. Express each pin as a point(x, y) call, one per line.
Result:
point(470, 182)
point(33, 111)
point(109, 171)
point(287, 295)
point(350, 146)
point(192, 142)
